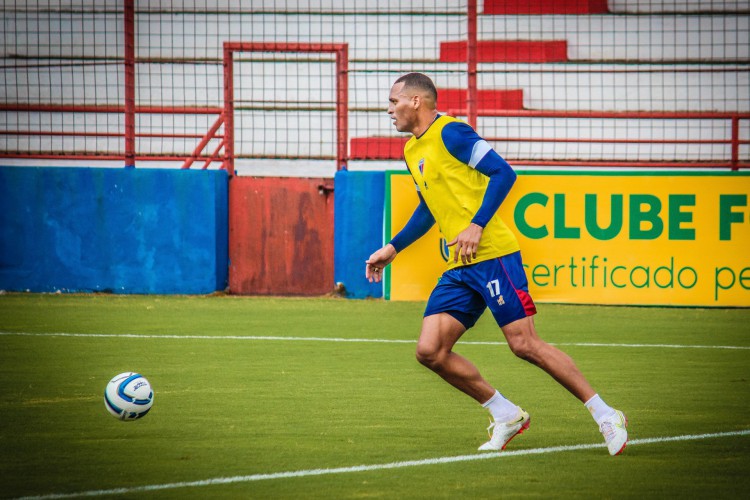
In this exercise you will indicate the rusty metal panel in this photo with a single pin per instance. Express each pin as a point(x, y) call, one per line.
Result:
point(280, 236)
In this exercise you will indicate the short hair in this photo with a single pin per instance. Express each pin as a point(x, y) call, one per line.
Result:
point(419, 81)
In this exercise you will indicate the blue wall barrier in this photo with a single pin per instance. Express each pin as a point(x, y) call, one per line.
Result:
point(358, 229)
point(113, 230)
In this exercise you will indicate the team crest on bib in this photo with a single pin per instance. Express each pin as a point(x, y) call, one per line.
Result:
point(420, 166)
point(445, 251)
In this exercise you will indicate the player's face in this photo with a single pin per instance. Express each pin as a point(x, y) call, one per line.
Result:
point(401, 109)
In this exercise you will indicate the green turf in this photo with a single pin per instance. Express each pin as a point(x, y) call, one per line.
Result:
point(226, 408)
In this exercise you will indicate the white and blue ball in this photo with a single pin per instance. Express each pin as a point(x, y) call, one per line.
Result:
point(128, 396)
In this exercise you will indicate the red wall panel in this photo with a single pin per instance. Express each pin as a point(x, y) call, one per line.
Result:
point(512, 7)
point(533, 51)
point(449, 99)
point(377, 148)
point(280, 236)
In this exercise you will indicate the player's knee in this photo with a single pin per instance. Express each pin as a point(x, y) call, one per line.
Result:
point(428, 356)
point(524, 348)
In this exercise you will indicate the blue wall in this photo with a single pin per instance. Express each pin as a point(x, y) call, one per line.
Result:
point(358, 229)
point(113, 230)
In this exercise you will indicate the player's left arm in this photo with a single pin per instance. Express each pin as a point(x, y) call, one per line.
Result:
point(468, 147)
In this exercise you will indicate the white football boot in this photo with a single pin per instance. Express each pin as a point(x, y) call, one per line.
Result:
point(614, 432)
point(502, 432)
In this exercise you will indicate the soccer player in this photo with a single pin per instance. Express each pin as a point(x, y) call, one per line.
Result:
point(461, 182)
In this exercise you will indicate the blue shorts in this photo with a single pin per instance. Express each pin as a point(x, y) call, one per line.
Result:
point(500, 284)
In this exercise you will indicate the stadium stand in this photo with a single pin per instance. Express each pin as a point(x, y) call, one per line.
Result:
point(567, 81)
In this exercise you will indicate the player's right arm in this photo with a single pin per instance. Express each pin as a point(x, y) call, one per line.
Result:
point(420, 222)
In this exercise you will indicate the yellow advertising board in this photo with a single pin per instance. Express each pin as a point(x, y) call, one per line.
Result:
point(638, 238)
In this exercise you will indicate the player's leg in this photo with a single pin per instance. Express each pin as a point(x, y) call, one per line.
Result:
point(514, 313)
point(453, 308)
point(505, 288)
point(439, 334)
point(525, 343)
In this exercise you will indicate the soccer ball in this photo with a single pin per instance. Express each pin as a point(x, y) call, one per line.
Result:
point(128, 396)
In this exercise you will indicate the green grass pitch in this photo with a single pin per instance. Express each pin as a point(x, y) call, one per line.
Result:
point(239, 408)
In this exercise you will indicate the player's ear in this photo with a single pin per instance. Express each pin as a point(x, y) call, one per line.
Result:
point(416, 101)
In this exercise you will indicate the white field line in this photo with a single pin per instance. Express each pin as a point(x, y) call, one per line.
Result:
point(376, 467)
point(341, 339)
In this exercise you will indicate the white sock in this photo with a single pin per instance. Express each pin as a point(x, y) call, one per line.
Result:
point(501, 409)
point(599, 409)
